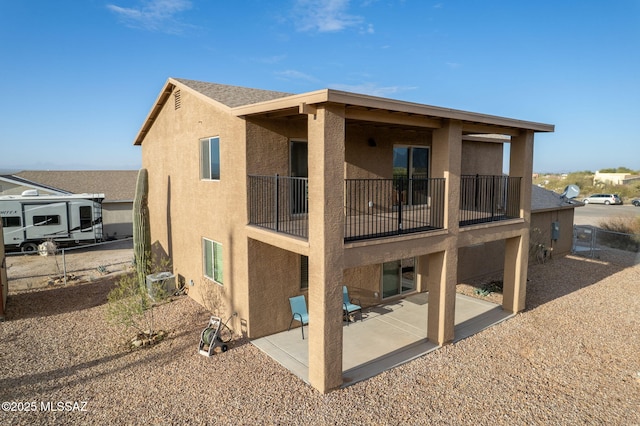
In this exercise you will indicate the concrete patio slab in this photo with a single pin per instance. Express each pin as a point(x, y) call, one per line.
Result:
point(389, 335)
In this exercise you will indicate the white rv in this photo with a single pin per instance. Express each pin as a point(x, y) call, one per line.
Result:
point(30, 219)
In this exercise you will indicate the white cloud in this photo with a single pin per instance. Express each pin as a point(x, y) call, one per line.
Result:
point(372, 89)
point(324, 15)
point(296, 75)
point(154, 15)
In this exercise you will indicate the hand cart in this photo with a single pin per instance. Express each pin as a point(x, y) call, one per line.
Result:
point(216, 334)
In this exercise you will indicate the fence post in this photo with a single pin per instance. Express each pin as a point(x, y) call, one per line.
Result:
point(64, 267)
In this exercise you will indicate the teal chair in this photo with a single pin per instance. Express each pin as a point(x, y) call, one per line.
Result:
point(299, 312)
point(348, 307)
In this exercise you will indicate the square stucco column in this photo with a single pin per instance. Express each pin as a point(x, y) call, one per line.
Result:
point(326, 246)
point(516, 259)
point(443, 266)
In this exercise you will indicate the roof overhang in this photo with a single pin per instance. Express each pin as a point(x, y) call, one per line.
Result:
point(364, 107)
point(155, 111)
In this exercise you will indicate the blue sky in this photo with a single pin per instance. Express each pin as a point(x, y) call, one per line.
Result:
point(79, 77)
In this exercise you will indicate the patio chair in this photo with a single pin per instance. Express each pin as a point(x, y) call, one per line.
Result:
point(348, 305)
point(299, 312)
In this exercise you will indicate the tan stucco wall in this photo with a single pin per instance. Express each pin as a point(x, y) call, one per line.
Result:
point(271, 287)
point(185, 209)
point(481, 158)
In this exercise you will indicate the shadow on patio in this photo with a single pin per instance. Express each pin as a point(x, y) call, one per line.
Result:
point(390, 335)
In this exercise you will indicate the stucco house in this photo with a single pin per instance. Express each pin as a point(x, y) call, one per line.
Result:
point(257, 196)
point(119, 187)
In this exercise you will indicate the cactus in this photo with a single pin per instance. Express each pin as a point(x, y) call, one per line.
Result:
point(141, 229)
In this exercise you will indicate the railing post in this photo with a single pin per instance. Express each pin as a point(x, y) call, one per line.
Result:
point(277, 200)
point(400, 204)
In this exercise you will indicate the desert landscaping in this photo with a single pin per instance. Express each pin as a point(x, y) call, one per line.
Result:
point(571, 358)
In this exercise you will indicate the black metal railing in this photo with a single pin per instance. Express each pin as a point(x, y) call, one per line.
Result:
point(385, 207)
point(488, 198)
point(279, 203)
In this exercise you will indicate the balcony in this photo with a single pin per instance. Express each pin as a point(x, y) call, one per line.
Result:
point(279, 203)
point(488, 199)
point(377, 208)
point(386, 207)
point(373, 207)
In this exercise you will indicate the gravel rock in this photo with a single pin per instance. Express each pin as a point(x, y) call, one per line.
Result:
point(570, 358)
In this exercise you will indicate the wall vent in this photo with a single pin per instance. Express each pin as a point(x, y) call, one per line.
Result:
point(176, 99)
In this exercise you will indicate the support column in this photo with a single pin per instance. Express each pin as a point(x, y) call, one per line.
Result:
point(443, 266)
point(326, 246)
point(516, 259)
point(442, 297)
point(514, 289)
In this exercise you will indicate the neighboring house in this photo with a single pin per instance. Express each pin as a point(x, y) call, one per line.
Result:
point(258, 196)
point(119, 187)
point(614, 178)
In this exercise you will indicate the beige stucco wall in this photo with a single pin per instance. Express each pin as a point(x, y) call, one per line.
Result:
point(185, 209)
point(481, 158)
point(271, 287)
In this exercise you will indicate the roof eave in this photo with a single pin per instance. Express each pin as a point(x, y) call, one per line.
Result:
point(367, 101)
point(155, 110)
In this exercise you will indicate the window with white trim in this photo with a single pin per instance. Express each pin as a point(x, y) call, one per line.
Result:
point(212, 260)
point(210, 158)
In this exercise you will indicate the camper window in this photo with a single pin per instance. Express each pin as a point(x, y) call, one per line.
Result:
point(11, 221)
point(46, 220)
point(85, 219)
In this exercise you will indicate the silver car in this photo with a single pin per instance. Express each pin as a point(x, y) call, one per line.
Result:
point(602, 199)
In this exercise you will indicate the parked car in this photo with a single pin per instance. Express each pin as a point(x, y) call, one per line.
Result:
point(602, 199)
point(636, 202)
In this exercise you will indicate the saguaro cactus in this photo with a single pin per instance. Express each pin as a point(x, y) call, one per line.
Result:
point(141, 229)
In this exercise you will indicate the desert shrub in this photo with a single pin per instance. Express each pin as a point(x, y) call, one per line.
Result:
point(130, 305)
point(621, 233)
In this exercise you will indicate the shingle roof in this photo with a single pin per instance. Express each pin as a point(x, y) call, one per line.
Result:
point(232, 96)
point(116, 185)
point(543, 199)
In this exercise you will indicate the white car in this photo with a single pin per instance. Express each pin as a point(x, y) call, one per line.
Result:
point(602, 199)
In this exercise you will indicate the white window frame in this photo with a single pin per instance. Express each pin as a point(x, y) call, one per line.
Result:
point(217, 273)
point(206, 172)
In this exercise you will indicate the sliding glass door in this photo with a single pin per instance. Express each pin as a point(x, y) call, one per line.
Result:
point(398, 277)
point(410, 169)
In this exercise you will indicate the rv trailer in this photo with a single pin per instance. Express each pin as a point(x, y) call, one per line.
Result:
point(30, 219)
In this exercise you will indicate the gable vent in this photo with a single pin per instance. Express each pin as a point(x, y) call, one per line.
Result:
point(176, 99)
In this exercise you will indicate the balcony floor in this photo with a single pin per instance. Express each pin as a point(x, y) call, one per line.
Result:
point(389, 335)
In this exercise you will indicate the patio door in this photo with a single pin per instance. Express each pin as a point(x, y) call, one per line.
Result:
point(398, 277)
point(299, 168)
point(410, 171)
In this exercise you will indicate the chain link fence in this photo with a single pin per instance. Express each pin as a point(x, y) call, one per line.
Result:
point(597, 243)
point(62, 266)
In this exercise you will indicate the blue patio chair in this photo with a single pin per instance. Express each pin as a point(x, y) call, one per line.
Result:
point(299, 312)
point(348, 306)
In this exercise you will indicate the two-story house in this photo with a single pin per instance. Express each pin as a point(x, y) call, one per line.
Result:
point(258, 196)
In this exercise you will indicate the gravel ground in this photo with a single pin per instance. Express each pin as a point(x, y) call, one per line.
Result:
point(571, 358)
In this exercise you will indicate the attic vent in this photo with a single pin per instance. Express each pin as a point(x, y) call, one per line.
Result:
point(176, 98)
